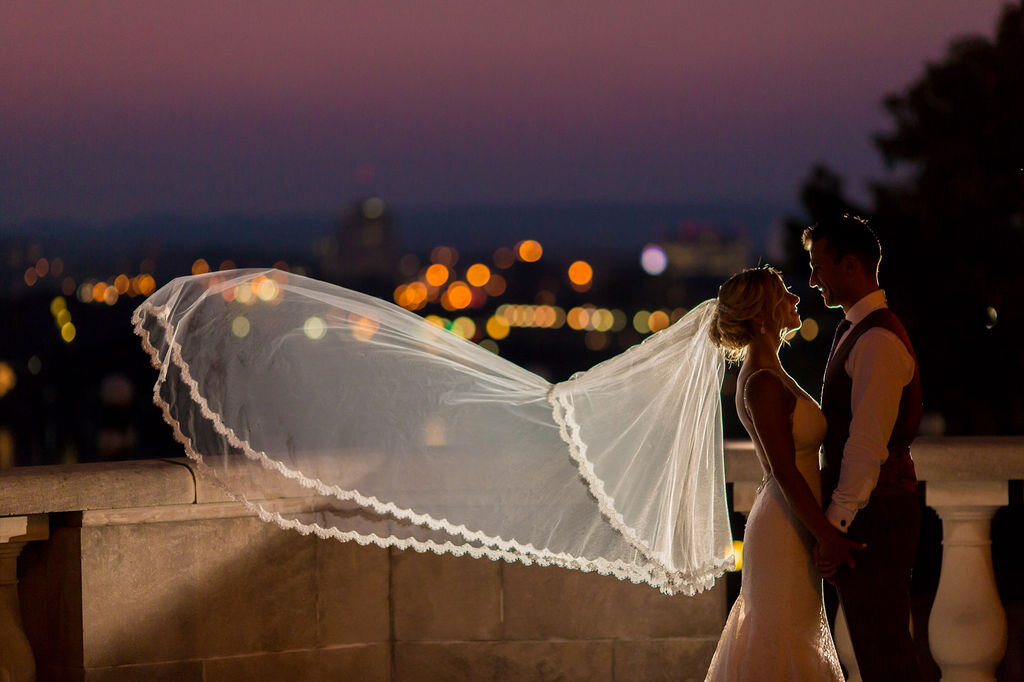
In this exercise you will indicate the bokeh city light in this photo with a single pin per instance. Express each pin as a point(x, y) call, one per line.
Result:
point(478, 275)
point(529, 251)
point(653, 259)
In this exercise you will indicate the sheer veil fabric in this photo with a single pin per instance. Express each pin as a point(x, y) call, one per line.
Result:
point(328, 411)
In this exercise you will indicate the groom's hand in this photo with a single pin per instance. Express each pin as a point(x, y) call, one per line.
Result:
point(832, 551)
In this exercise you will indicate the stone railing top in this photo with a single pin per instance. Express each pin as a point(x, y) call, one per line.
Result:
point(104, 485)
point(953, 458)
point(151, 483)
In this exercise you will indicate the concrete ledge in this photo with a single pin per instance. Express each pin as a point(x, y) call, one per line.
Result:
point(969, 458)
point(106, 485)
point(952, 458)
point(156, 483)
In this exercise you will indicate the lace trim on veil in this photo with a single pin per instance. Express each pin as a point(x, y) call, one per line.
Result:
point(564, 415)
point(652, 572)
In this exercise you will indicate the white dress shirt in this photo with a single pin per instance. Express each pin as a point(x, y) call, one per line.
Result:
point(880, 366)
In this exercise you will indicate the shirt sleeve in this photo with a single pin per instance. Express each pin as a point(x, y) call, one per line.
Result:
point(880, 367)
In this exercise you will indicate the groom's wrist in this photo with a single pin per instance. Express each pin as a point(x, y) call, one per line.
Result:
point(839, 517)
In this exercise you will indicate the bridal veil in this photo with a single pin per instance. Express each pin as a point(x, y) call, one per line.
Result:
point(329, 411)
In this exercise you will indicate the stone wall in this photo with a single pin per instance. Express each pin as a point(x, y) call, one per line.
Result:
point(141, 571)
point(200, 592)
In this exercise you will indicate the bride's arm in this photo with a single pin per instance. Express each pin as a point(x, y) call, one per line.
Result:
point(770, 405)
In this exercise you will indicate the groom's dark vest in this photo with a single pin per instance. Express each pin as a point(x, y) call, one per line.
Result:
point(897, 473)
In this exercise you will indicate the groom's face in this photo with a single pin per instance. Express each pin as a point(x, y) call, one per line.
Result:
point(826, 275)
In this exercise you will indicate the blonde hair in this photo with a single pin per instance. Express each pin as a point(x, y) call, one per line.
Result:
point(740, 300)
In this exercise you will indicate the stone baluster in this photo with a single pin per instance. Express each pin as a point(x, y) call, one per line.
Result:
point(967, 627)
point(16, 661)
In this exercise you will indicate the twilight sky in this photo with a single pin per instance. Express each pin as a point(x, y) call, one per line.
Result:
point(119, 107)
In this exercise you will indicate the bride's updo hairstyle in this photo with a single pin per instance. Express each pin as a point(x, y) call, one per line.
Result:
point(741, 299)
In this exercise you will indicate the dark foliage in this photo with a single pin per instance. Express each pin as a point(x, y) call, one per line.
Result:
point(951, 223)
point(953, 230)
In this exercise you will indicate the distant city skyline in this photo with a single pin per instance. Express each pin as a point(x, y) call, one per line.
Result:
point(125, 109)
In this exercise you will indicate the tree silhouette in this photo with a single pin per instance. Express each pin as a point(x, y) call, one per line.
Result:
point(821, 195)
point(952, 226)
point(951, 223)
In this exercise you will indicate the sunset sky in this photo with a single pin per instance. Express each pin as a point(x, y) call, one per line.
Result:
point(119, 107)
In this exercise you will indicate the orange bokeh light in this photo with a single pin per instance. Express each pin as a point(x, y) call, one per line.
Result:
point(363, 328)
point(412, 296)
point(529, 251)
point(437, 275)
point(444, 255)
point(504, 258)
point(478, 275)
point(495, 285)
point(200, 267)
point(146, 285)
point(580, 273)
point(459, 295)
point(578, 318)
point(658, 320)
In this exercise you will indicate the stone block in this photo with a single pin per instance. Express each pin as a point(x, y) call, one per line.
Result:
point(664, 660)
point(503, 661)
point(445, 597)
point(178, 671)
point(353, 601)
point(544, 602)
point(173, 591)
point(363, 663)
point(50, 593)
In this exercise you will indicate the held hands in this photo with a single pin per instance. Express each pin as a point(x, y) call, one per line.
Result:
point(832, 551)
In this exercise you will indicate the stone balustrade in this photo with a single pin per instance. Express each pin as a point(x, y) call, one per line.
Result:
point(142, 570)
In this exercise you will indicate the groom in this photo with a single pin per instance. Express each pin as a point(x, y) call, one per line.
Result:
point(872, 400)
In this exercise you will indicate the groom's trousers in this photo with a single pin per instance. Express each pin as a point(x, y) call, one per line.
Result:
point(875, 594)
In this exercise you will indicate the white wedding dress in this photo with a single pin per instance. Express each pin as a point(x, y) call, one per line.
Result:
point(777, 628)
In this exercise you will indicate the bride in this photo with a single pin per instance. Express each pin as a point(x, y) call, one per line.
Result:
point(777, 627)
point(327, 411)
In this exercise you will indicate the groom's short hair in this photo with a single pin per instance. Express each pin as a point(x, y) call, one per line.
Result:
point(847, 235)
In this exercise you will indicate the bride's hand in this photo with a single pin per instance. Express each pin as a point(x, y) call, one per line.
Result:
point(834, 550)
point(825, 570)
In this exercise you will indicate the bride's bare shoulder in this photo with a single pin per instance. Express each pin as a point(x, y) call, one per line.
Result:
point(763, 390)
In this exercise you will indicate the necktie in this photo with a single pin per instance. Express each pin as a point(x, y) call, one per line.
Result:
point(840, 330)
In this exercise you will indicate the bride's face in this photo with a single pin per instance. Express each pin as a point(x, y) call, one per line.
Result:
point(786, 308)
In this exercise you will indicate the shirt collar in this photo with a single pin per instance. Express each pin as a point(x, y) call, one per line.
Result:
point(867, 305)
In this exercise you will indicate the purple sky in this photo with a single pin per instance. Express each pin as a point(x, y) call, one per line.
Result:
point(119, 107)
